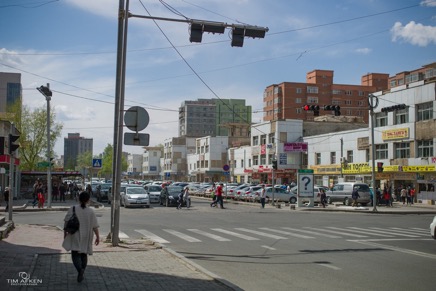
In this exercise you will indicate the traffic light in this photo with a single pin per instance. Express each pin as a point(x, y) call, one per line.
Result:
point(380, 167)
point(394, 108)
point(314, 108)
point(335, 108)
point(2, 145)
point(12, 145)
point(274, 164)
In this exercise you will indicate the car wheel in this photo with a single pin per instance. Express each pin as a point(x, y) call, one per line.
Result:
point(347, 202)
point(329, 200)
point(293, 200)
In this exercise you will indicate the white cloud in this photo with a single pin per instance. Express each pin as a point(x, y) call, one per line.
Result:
point(429, 3)
point(363, 51)
point(414, 33)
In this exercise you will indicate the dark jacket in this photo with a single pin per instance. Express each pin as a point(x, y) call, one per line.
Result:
point(355, 194)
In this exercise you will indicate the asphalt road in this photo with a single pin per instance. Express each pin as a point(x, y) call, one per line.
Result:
point(272, 249)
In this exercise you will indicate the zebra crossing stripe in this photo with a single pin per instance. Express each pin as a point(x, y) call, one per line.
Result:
point(243, 236)
point(122, 235)
point(312, 232)
point(413, 231)
point(261, 233)
point(152, 236)
point(209, 235)
point(392, 232)
point(337, 232)
point(286, 232)
point(360, 230)
point(182, 235)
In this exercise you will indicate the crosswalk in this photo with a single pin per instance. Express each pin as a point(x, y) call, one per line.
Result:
point(194, 235)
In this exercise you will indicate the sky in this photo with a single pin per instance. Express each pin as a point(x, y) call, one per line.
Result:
point(72, 45)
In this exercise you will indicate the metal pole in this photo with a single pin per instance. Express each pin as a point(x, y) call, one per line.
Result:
point(342, 155)
point(11, 175)
point(48, 98)
point(374, 187)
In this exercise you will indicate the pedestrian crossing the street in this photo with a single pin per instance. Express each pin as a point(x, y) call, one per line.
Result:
point(194, 235)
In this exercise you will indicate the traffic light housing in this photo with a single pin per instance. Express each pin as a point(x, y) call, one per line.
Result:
point(45, 91)
point(12, 145)
point(335, 108)
point(380, 167)
point(314, 108)
point(274, 164)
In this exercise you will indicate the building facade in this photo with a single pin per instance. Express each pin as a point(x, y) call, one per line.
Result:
point(134, 165)
point(174, 161)
point(10, 90)
point(74, 145)
point(151, 163)
point(286, 100)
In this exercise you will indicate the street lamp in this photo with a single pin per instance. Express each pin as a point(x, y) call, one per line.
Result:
point(197, 29)
point(45, 90)
point(374, 187)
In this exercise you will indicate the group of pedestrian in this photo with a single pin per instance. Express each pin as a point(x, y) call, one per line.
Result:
point(38, 194)
point(218, 198)
point(184, 198)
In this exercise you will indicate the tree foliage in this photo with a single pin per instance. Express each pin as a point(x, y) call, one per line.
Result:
point(32, 125)
point(107, 161)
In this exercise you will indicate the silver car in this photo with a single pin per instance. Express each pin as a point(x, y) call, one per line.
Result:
point(341, 192)
point(134, 196)
point(153, 192)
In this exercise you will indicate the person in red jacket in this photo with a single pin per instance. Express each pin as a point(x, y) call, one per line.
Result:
point(218, 196)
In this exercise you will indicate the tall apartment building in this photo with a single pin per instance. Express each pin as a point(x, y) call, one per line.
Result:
point(427, 72)
point(285, 100)
point(10, 90)
point(214, 117)
point(151, 162)
point(74, 145)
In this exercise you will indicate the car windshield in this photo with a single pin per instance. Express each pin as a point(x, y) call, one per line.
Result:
point(362, 187)
point(135, 190)
point(154, 188)
point(105, 186)
point(174, 190)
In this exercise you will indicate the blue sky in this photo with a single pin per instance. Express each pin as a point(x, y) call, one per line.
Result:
point(71, 44)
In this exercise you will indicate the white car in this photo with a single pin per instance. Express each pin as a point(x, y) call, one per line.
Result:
point(433, 228)
point(134, 196)
point(153, 192)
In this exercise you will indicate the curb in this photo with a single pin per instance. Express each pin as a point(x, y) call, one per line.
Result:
point(6, 228)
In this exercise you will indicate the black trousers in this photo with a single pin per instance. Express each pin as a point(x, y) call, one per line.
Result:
point(80, 260)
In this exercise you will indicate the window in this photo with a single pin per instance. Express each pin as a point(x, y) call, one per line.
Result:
point(381, 119)
point(256, 140)
point(263, 139)
point(360, 103)
point(298, 110)
point(297, 100)
point(263, 159)
point(298, 90)
point(381, 151)
point(361, 93)
point(348, 92)
point(425, 111)
point(393, 83)
point(255, 160)
point(242, 163)
point(270, 159)
point(402, 150)
point(271, 138)
point(336, 92)
point(312, 100)
point(401, 116)
point(425, 148)
point(332, 158)
point(350, 156)
point(317, 158)
point(312, 89)
point(430, 73)
point(348, 102)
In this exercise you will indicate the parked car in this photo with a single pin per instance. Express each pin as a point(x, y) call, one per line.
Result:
point(433, 228)
point(134, 196)
point(169, 196)
point(280, 194)
point(232, 192)
point(341, 192)
point(316, 193)
point(249, 192)
point(153, 192)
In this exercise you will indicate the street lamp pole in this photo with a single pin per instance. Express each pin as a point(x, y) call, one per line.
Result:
point(374, 187)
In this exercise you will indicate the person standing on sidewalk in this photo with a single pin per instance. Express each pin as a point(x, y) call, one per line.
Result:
point(62, 190)
point(6, 197)
point(80, 243)
point(323, 197)
point(218, 196)
point(355, 195)
point(262, 196)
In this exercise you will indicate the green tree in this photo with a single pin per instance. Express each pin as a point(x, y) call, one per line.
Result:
point(107, 160)
point(32, 125)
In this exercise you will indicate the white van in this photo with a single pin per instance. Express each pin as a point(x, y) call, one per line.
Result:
point(341, 192)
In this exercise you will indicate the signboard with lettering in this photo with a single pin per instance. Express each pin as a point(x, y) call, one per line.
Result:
point(289, 147)
point(398, 133)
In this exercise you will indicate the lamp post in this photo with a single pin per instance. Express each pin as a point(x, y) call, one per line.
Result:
point(374, 187)
point(45, 90)
point(197, 28)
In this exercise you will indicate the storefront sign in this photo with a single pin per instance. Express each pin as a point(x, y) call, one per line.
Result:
point(399, 133)
point(290, 147)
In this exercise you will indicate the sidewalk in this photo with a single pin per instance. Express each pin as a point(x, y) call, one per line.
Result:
point(35, 252)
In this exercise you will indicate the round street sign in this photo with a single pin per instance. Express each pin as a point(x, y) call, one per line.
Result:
point(136, 118)
point(226, 168)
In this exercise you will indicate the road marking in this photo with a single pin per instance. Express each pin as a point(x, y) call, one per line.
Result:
point(210, 235)
point(152, 236)
point(393, 232)
point(261, 233)
point(421, 230)
point(337, 232)
point(329, 266)
point(243, 236)
point(401, 250)
point(367, 231)
point(269, 248)
point(312, 232)
point(412, 231)
point(182, 235)
point(286, 232)
point(122, 235)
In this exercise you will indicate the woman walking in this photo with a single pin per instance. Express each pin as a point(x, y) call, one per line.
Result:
point(80, 242)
